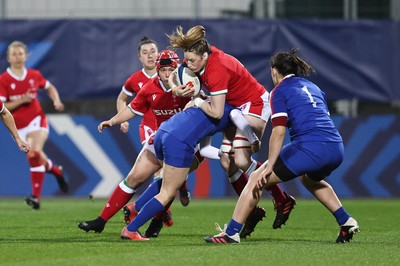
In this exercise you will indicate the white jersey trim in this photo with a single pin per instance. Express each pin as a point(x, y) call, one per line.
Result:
point(47, 85)
point(147, 75)
point(215, 93)
point(126, 91)
point(9, 71)
point(134, 111)
point(279, 115)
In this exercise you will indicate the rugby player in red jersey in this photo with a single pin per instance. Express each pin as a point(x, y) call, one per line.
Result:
point(18, 90)
point(155, 96)
point(227, 80)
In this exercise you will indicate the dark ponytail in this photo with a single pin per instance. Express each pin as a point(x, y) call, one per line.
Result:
point(289, 63)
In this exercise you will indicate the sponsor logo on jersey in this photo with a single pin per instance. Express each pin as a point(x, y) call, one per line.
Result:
point(13, 86)
point(167, 112)
point(14, 98)
point(154, 96)
point(140, 84)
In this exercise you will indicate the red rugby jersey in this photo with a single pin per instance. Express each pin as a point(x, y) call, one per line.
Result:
point(132, 87)
point(13, 87)
point(154, 96)
point(224, 74)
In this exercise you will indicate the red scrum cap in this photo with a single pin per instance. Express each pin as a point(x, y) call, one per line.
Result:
point(167, 58)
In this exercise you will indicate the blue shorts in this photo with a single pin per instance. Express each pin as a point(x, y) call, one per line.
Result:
point(172, 151)
point(316, 159)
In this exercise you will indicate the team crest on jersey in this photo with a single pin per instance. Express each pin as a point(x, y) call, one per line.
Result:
point(140, 84)
point(13, 86)
point(31, 82)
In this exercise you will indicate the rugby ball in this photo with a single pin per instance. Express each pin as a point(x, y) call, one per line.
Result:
point(185, 76)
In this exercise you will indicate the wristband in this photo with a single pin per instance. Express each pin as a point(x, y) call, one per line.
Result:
point(198, 102)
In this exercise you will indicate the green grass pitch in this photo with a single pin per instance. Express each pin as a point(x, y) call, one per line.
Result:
point(51, 237)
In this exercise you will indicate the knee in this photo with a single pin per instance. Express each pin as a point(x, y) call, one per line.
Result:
point(224, 161)
point(34, 158)
point(312, 184)
point(242, 149)
point(132, 180)
point(241, 163)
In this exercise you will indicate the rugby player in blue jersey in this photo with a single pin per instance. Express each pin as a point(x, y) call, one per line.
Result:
point(175, 143)
point(316, 148)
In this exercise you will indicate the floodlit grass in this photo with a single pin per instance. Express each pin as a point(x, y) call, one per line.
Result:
point(51, 237)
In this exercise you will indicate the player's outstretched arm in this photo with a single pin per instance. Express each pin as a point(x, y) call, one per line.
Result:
point(122, 116)
point(121, 103)
point(8, 120)
point(53, 94)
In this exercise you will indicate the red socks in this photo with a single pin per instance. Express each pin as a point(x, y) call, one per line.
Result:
point(37, 171)
point(37, 179)
point(118, 199)
point(52, 168)
point(238, 181)
point(275, 191)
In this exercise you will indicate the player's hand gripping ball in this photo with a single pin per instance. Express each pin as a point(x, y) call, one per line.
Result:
point(184, 76)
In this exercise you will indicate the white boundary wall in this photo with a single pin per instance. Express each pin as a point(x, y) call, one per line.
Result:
point(141, 9)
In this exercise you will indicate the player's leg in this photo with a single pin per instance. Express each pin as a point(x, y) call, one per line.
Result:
point(177, 158)
point(163, 217)
point(243, 159)
point(173, 177)
point(327, 158)
point(36, 140)
point(327, 196)
point(50, 167)
point(158, 221)
point(236, 177)
point(146, 164)
point(57, 172)
point(283, 203)
point(245, 205)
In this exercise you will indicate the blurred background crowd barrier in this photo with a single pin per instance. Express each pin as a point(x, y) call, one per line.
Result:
point(88, 48)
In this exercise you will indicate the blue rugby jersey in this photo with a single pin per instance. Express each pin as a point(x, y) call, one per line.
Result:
point(192, 125)
point(304, 105)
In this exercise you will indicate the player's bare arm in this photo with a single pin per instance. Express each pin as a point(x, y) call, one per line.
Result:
point(122, 116)
point(10, 124)
point(215, 108)
point(121, 104)
point(53, 94)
